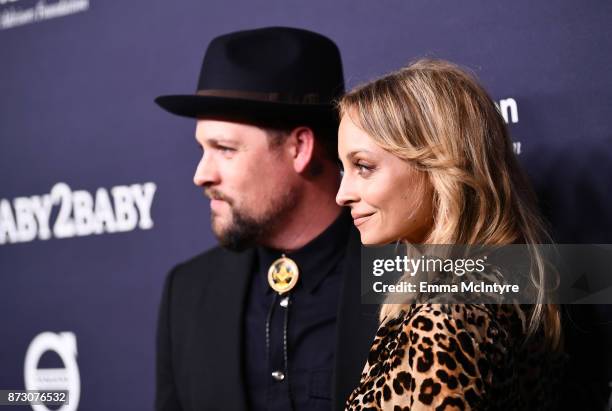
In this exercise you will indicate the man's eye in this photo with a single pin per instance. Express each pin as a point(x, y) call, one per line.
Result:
point(226, 149)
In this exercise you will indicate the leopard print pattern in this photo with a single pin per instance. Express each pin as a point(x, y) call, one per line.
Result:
point(455, 357)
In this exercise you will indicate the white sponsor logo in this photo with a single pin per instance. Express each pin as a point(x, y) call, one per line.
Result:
point(42, 10)
point(80, 213)
point(67, 378)
point(508, 108)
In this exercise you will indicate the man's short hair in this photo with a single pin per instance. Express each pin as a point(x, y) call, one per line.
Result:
point(325, 137)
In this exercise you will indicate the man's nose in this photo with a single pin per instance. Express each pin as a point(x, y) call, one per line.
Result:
point(346, 193)
point(206, 173)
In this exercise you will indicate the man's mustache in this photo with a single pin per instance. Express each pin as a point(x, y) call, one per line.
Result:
point(217, 195)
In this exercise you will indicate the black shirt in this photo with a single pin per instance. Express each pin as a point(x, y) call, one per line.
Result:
point(311, 326)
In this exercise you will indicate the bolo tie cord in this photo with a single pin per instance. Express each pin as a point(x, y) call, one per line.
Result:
point(285, 342)
point(286, 349)
point(268, 319)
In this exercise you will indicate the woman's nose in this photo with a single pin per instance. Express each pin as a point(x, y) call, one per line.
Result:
point(346, 193)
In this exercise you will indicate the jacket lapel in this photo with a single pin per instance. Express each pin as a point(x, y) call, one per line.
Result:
point(357, 325)
point(220, 333)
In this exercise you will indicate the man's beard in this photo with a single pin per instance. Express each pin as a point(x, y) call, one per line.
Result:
point(244, 230)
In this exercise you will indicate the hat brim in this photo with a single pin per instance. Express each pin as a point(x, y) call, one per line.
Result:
point(249, 111)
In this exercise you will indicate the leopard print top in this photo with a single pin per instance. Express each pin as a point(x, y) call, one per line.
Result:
point(457, 357)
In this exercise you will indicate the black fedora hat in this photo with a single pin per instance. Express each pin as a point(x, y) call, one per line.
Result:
point(272, 75)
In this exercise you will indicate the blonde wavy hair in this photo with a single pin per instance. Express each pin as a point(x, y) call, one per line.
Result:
point(436, 116)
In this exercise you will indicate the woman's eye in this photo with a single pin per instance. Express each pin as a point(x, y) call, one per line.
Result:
point(363, 169)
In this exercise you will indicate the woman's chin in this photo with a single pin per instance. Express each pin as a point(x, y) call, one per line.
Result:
point(370, 239)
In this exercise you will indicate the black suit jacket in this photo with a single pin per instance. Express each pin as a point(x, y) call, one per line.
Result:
point(200, 332)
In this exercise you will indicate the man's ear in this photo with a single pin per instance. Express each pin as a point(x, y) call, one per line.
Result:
point(302, 148)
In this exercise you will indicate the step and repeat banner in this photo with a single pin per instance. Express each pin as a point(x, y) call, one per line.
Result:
point(96, 195)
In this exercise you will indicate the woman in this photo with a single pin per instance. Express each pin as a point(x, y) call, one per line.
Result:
point(427, 160)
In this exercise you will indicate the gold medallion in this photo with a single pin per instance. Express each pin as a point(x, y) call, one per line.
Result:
point(283, 275)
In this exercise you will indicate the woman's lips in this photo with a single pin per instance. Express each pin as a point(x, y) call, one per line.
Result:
point(358, 220)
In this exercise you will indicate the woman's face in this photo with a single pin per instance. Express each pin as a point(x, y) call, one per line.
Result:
point(389, 198)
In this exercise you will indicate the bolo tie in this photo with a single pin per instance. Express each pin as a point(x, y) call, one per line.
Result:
point(283, 275)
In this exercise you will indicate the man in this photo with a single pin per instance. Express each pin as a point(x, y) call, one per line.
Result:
point(272, 318)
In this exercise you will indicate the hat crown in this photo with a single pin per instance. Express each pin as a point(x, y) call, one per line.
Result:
point(272, 77)
point(274, 60)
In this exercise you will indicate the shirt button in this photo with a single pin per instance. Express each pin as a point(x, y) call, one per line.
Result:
point(278, 375)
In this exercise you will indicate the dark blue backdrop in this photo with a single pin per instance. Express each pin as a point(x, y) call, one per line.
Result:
point(76, 107)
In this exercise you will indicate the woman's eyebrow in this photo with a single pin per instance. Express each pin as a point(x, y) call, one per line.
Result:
point(355, 152)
